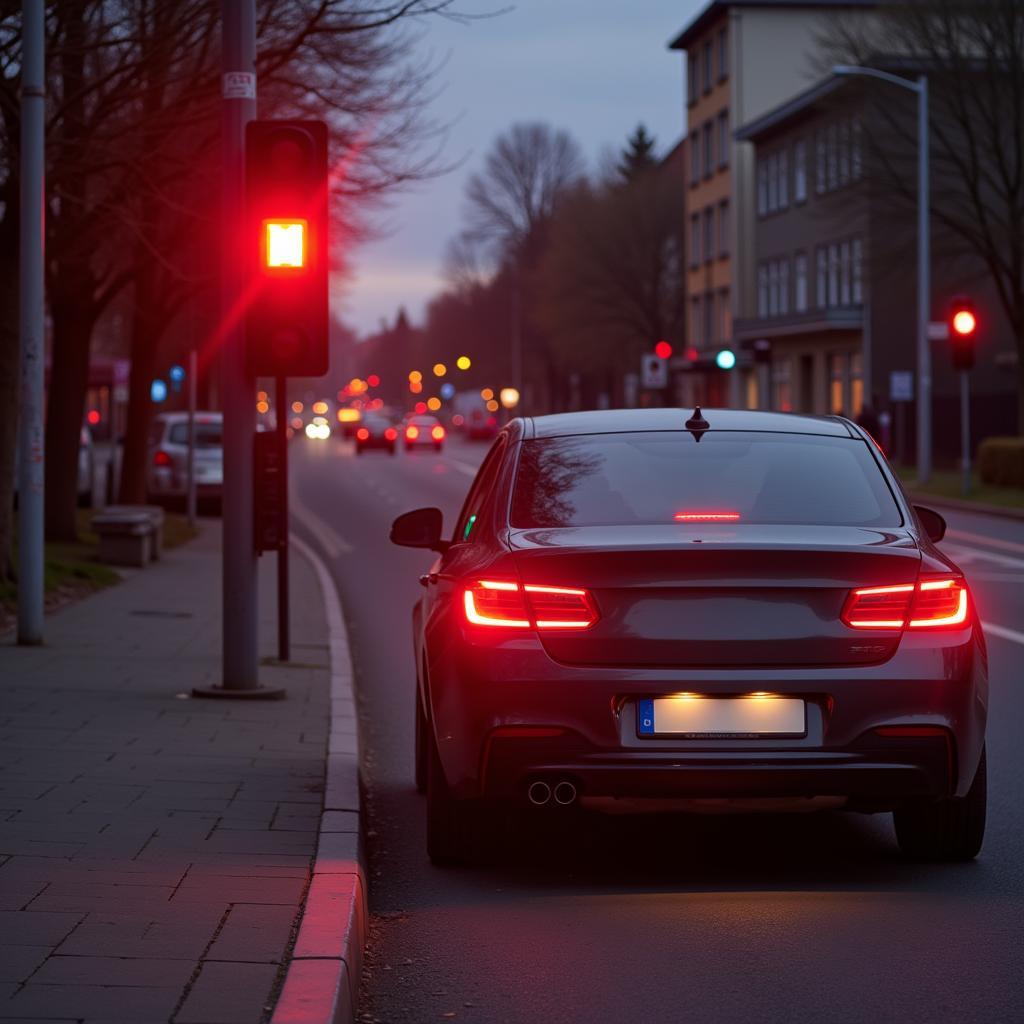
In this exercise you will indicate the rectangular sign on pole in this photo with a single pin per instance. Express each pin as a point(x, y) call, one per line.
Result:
point(653, 372)
point(901, 386)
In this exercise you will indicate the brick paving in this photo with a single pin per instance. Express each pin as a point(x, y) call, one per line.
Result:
point(155, 849)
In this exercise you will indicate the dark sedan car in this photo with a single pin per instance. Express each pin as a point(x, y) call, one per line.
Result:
point(376, 432)
point(641, 609)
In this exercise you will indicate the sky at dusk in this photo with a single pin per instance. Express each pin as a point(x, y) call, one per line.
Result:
point(593, 67)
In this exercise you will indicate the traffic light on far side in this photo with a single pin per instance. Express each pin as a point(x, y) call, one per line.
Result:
point(963, 329)
point(286, 240)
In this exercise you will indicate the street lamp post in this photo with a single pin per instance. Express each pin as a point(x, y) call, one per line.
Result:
point(924, 360)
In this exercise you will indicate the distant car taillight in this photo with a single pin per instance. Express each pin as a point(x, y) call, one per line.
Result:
point(363, 434)
point(411, 433)
point(391, 433)
point(437, 433)
point(928, 604)
point(162, 458)
point(511, 605)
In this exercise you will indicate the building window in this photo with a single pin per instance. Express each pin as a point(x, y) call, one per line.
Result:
point(695, 240)
point(773, 182)
point(709, 149)
point(723, 228)
point(837, 376)
point(694, 77)
point(773, 288)
point(800, 172)
point(783, 158)
point(762, 186)
point(709, 316)
point(706, 61)
point(857, 256)
point(819, 161)
point(844, 151)
point(821, 292)
point(723, 139)
point(833, 275)
point(856, 156)
point(724, 315)
point(695, 324)
point(844, 274)
point(695, 158)
point(800, 281)
point(783, 287)
point(833, 156)
point(723, 55)
point(856, 384)
point(762, 290)
point(709, 234)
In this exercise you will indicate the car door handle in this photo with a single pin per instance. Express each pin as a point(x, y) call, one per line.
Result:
point(427, 578)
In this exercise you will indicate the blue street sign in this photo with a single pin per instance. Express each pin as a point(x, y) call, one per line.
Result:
point(158, 390)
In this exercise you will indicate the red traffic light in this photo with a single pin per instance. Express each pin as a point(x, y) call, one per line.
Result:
point(663, 350)
point(963, 326)
point(284, 244)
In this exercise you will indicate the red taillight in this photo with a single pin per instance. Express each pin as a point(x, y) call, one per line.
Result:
point(707, 517)
point(437, 433)
point(391, 433)
point(411, 433)
point(514, 606)
point(929, 604)
point(363, 434)
point(161, 458)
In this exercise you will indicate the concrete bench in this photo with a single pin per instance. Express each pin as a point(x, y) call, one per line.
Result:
point(128, 535)
point(156, 518)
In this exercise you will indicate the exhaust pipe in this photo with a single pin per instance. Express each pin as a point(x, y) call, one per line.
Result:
point(539, 793)
point(565, 793)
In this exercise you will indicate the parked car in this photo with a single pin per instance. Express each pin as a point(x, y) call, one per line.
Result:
point(168, 459)
point(623, 615)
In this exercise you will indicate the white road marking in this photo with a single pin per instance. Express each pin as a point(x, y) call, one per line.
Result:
point(463, 467)
point(1003, 633)
point(333, 544)
point(992, 542)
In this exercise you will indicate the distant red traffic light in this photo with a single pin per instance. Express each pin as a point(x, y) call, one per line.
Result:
point(663, 350)
point(964, 322)
point(963, 327)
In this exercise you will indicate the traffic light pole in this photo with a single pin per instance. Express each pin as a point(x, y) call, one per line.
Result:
point(283, 616)
point(33, 214)
point(240, 662)
point(965, 433)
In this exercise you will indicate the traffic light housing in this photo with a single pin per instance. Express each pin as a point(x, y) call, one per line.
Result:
point(963, 329)
point(286, 240)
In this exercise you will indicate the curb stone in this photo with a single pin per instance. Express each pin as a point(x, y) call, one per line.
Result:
point(321, 984)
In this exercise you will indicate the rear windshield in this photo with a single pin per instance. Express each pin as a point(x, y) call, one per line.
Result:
point(649, 478)
point(208, 435)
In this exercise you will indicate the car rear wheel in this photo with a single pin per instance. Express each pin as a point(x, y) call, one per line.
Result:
point(456, 829)
point(945, 830)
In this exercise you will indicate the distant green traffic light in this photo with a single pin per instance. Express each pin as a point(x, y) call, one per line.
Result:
point(725, 360)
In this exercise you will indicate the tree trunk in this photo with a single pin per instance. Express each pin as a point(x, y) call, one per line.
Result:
point(74, 313)
point(147, 327)
point(10, 363)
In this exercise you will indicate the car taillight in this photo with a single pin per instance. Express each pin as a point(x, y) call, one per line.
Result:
point(162, 458)
point(511, 605)
point(411, 433)
point(928, 604)
point(391, 433)
point(437, 433)
point(363, 434)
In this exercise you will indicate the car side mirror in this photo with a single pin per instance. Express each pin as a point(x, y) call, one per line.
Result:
point(934, 525)
point(420, 528)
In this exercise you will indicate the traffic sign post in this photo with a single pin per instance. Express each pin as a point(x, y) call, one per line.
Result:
point(653, 372)
point(963, 326)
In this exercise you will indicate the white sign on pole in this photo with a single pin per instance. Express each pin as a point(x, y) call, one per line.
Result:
point(238, 85)
point(938, 330)
point(901, 386)
point(653, 371)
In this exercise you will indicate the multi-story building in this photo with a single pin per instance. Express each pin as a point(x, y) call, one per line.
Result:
point(836, 276)
point(743, 57)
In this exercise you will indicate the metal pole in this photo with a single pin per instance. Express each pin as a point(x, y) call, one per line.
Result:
point(924, 359)
point(33, 213)
point(965, 433)
point(240, 667)
point(193, 384)
point(283, 632)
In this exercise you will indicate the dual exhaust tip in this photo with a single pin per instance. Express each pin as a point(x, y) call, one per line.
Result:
point(562, 793)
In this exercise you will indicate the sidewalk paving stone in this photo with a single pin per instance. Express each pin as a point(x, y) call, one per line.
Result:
point(155, 849)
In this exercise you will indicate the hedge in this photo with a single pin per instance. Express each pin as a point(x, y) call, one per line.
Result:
point(1001, 461)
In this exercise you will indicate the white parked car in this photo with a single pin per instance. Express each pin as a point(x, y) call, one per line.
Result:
point(168, 455)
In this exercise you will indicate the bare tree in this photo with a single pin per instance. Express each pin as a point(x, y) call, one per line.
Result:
point(973, 54)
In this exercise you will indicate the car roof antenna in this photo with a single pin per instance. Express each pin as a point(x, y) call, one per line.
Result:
point(696, 424)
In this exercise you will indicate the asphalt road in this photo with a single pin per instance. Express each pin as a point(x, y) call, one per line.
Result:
point(798, 918)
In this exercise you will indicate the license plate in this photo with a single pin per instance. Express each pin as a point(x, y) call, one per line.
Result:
point(702, 717)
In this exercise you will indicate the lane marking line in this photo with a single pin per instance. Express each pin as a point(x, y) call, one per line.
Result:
point(1003, 633)
point(463, 467)
point(333, 544)
point(992, 542)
